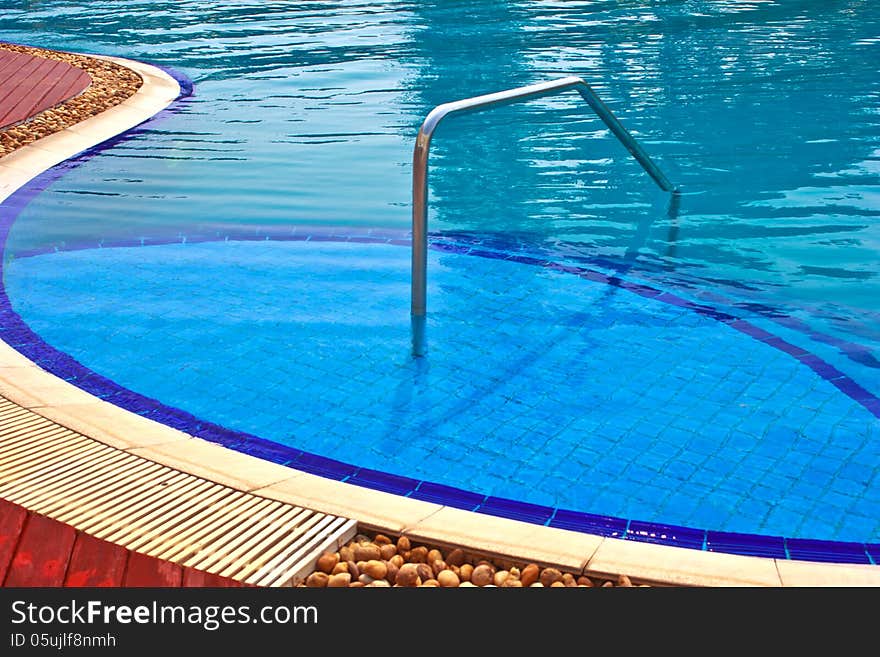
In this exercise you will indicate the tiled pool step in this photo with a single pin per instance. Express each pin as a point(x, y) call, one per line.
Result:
point(155, 510)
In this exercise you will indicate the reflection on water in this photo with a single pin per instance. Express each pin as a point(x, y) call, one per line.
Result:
point(765, 113)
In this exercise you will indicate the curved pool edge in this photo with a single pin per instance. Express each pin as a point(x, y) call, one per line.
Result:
point(26, 384)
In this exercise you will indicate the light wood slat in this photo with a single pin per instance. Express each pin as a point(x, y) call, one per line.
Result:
point(82, 501)
point(147, 513)
point(16, 447)
point(41, 461)
point(125, 499)
point(55, 482)
point(284, 569)
point(141, 505)
point(223, 545)
point(38, 443)
point(305, 542)
point(162, 513)
point(12, 429)
point(274, 544)
point(231, 524)
point(237, 558)
point(183, 530)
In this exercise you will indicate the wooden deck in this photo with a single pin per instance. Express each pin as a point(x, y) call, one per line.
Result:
point(30, 85)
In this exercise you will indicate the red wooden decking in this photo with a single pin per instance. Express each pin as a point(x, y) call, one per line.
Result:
point(38, 551)
point(30, 85)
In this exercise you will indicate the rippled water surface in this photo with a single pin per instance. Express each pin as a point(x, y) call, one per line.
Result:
point(765, 114)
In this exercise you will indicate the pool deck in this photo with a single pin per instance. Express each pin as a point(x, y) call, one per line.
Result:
point(159, 493)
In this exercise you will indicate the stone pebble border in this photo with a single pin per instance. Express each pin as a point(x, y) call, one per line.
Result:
point(380, 562)
point(597, 558)
point(111, 84)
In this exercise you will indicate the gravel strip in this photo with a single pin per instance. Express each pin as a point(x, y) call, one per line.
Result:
point(380, 562)
point(111, 84)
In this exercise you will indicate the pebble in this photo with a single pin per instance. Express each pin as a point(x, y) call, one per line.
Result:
point(403, 544)
point(550, 575)
point(465, 572)
point(529, 574)
point(341, 567)
point(381, 540)
point(375, 569)
point(391, 574)
point(585, 581)
point(623, 580)
point(455, 557)
point(482, 575)
point(419, 554)
point(448, 579)
point(500, 577)
point(367, 552)
point(438, 565)
point(434, 555)
point(408, 575)
point(425, 571)
point(339, 580)
point(387, 551)
point(317, 580)
point(327, 562)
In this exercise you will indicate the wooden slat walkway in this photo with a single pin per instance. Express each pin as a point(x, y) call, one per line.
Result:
point(30, 85)
point(154, 512)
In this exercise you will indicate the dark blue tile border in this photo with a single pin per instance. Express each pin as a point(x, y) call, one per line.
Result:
point(747, 544)
point(383, 481)
point(589, 523)
point(649, 532)
point(499, 506)
point(14, 331)
point(447, 496)
point(805, 549)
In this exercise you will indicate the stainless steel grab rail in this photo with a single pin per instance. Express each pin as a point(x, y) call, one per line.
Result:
point(420, 172)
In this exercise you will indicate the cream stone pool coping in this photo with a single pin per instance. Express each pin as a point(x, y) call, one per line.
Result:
point(27, 385)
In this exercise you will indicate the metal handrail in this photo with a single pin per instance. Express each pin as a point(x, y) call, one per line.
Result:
point(420, 172)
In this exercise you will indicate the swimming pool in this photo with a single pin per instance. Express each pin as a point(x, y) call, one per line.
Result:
point(240, 270)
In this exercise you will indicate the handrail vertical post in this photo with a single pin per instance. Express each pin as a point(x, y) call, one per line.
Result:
point(419, 242)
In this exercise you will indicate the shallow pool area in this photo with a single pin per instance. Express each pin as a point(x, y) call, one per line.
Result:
point(241, 269)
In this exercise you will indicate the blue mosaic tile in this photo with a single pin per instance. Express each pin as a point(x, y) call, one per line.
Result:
point(515, 510)
point(829, 551)
point(447, 496)
point(746, 544)
point(589, 523)
point(383, 481)
point(648, 532)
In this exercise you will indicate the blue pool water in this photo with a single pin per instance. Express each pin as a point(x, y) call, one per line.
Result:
point(244, 263)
